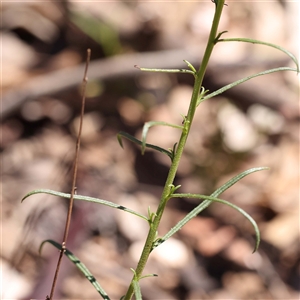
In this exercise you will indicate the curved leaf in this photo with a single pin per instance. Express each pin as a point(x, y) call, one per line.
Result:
point(85, 198)
point(190, 66)
point(252, 41)
point(138, 142)
point(154, 123)
point(235, 179)
point(75, 260)
point(235, 83)
point(240, 210)
point(206, 203)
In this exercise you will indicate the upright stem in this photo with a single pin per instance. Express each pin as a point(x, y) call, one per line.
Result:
point(166, 194)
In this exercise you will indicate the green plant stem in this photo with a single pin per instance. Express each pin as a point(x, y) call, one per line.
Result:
point(166, 194)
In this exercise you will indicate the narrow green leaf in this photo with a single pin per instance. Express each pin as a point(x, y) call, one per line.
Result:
point(240, 210)
point(131, 138)
point(165, 70)
point(148, 125)
point(85, 198)
point(80, 266)
point(206, 203)
point(137, 290)
point(149, 275)
point(235, 83)
point(252, 41)
point(190, 66)
point(235, 179)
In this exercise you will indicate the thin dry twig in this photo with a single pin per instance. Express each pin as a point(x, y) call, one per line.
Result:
point(74, 177)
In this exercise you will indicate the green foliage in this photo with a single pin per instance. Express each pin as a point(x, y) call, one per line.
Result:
point(170, 190)
point(235, 83)
point(142, 143)
point(154, 123)
point(208, 200)
point(84, 198)
point(81, 267)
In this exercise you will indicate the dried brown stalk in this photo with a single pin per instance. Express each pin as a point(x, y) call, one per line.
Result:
point(74, 176)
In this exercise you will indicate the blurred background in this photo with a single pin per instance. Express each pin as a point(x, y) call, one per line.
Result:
point(255, 124)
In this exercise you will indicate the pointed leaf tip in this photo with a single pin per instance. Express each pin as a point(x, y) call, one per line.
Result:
point(119, 137)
